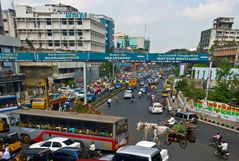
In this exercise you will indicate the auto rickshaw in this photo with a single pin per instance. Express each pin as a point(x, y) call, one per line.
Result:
point(12, 141)
point(36, 154)
point(165, 94)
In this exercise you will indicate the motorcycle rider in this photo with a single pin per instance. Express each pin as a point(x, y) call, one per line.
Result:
point(224, 146)
point(140, 94)
point(132, 99)
point(218, 137)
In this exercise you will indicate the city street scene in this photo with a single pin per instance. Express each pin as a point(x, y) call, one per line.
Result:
point(119, 80)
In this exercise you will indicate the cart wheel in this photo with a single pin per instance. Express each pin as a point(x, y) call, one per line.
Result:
point(169, 142)
point(26, 139)
point(183, 143)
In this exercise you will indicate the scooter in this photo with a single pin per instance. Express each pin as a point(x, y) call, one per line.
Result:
point(222, 154)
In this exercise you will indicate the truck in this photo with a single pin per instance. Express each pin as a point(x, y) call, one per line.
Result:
point(44, 103)
point(132, 82)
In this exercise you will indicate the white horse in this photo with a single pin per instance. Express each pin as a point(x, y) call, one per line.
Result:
point(146, 127)
point(160, 131)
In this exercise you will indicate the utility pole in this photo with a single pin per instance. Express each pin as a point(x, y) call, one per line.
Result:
point(85, 89)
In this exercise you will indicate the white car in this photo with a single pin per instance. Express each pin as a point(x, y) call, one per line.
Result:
point(128, 94)
point(150, 144)
point(79, 93)
point(65, 90)
point(156, 108)
point(56, 143)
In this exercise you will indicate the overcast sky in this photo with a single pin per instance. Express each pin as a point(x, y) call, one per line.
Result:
point(170, 23)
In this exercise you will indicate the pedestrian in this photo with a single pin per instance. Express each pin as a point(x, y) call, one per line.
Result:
point(117, 99)
point(109, 102)
point(173, 98)
point(170, 109)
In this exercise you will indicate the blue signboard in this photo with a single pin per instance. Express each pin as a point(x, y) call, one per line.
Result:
point(76, 15)
point(17, 56)
point(117, 57)
point(103, 57)
point(178, 57)
point(60, 57)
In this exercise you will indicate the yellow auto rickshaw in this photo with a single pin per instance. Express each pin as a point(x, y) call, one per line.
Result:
point(12, 141)
point(165, 94)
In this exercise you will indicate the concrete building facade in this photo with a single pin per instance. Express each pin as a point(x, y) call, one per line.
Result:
point(129, 42)
point(109, 31)
point(221, 31)
point(229, 53)
point(59, 28)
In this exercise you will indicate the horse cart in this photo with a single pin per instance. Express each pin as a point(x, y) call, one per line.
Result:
point(182, 133)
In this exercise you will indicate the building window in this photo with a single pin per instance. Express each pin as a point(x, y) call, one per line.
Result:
point(72, 43)
point(71, 21)
point(57, 43)
point(63, 21)
point(80, 32)
point(71, 32)
point(79, 22)
point(49, 33)
point(48, 21)
point(80, 43)
point(65, 43)
point(50, 43)
point(64, 32)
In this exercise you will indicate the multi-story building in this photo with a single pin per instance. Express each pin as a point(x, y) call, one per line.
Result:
point(109, 31)
point(59, 27)
point(10, 79)
point(131, 43)
point(229, 53)
point(8, 22)
point(221, 32)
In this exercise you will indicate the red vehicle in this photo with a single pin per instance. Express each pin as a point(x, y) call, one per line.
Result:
point(107, 132)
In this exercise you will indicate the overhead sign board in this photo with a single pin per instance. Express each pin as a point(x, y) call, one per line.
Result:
point(103, 57)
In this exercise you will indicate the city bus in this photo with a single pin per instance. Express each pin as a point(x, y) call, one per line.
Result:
point(8, 103)
point(107, 132)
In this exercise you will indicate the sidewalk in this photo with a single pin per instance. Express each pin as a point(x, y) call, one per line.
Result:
point(216, 121)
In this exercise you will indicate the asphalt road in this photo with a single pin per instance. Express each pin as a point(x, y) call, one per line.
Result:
point(199, 151)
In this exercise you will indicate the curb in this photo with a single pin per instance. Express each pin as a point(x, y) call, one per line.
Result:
point(104, 100)
point(214, 122)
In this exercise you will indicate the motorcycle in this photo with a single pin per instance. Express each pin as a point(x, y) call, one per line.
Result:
point(131, 100)
point(214, 141)
point(222, 154)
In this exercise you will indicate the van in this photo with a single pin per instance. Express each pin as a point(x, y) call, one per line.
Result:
point(186, 116)
point(150, 144)
point(134, 153)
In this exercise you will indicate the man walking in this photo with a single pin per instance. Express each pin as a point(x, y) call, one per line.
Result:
point(109, 102)
point(173, 98)
point(117, 99)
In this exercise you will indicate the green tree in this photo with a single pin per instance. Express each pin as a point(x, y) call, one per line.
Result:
point(106, 69)
point(29, 44)
point(181, 85)
point(223, 72)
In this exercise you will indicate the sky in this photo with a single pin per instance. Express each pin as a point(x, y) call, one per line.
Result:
point(170, 24)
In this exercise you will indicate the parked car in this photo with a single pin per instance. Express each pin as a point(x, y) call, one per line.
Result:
point(135, 153)
point(156, 108)
point(128, 94)
point(150, 144)
point(56, 143)
point(187, 116)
